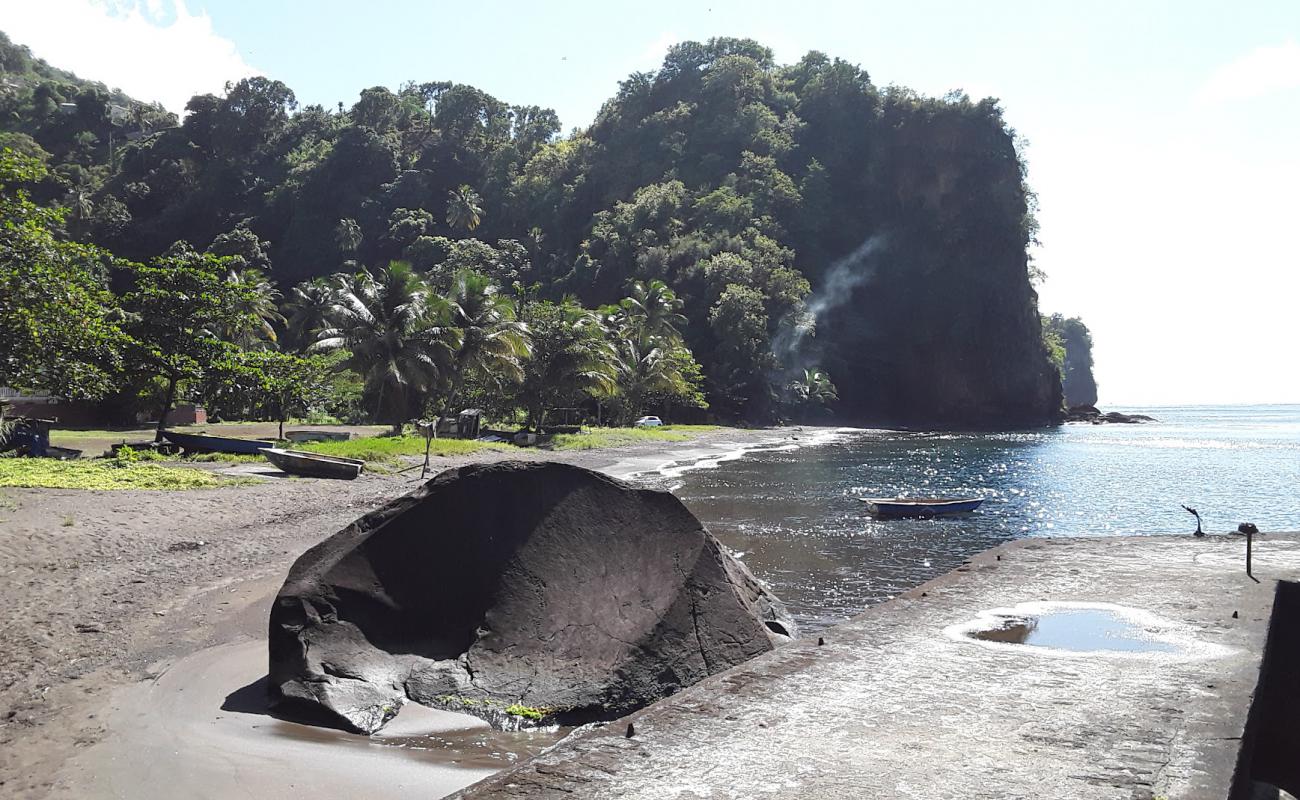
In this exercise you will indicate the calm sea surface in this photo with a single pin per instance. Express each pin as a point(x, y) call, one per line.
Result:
point(791, 510)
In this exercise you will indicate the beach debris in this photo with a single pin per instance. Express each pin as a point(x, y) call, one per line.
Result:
point(528, 584)
point(1195, 513)
point(182, 547)
point(89, 627)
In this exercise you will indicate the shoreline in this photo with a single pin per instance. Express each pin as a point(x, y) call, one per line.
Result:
point(104, 590)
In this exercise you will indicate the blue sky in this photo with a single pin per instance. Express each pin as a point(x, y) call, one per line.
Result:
point(1162, 135)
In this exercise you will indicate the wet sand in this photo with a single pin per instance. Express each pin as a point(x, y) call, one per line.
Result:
point(134, 637)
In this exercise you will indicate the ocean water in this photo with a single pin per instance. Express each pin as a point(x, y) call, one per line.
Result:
point(790, 510)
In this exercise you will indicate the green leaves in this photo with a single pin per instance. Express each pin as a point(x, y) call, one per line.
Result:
point(60, 327)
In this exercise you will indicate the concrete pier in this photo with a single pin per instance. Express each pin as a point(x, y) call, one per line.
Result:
point(902, 702)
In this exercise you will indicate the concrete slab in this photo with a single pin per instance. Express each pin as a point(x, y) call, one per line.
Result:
point(900, 703)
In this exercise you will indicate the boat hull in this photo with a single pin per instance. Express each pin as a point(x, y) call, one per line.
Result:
point(200, 443)
point(936, 507)
point(314, 465)
point(317, 436)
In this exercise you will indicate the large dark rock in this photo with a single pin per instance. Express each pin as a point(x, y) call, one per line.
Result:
point(541, 584)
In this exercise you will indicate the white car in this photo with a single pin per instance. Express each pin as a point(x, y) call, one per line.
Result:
point(649, 422)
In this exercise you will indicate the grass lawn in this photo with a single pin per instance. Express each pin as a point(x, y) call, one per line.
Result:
point(44, 473)
point(392, 448)
point(595, 438)
point(96, 442)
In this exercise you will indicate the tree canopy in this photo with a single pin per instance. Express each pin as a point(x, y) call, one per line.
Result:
point(741, 186)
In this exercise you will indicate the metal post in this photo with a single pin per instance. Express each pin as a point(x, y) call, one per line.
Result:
point(1250, 538)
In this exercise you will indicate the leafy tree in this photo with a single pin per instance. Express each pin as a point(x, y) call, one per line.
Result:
point(60, 327)
point(288, 384)
point(397, 337)
point(179, 311)
point(742, 357)
point(812, 391)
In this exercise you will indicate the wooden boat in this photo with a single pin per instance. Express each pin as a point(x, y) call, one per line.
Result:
point(920, 506)
point(317, 436)
point(314, 465)
point(202, 443)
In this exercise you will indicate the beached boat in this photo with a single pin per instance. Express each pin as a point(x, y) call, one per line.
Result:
point(317, 436)
point(313, 465)
point(202, 443)
point(920, 506)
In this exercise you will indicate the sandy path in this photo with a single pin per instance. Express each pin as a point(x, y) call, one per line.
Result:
point(99, 590)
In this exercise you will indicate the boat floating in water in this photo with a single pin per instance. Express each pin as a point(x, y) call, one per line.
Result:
point(920, 506)
point(202, 443)
point(314, 465)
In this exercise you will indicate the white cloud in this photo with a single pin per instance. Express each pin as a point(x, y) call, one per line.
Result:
point(154, 50)
point(1262, 71)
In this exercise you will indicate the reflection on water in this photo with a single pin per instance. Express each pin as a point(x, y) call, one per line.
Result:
point(1084, 630)
point(794, 517)
point(477, 746)
point(482, 747)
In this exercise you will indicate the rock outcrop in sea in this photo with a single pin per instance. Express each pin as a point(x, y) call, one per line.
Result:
point(550, 589)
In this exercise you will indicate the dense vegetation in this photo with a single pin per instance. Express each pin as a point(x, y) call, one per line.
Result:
point(728, 232)
point(1070, 343)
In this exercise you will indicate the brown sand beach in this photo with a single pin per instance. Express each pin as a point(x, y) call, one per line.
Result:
point(133, 627)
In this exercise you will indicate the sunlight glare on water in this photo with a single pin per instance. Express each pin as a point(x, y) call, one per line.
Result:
point(795, 515)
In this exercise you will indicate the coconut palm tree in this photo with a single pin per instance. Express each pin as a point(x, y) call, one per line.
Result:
point(258, 313)
point(464, 208)
point(571, 358)
point(653, 310)
point(309, 307)
point(492, 341)
point(396, 333)
point(644, 367)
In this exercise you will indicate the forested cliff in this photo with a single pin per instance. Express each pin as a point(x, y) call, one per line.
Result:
point(805, 217)
point(1071, 343)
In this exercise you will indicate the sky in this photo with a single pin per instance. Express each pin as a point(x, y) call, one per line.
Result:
point(1163, 137)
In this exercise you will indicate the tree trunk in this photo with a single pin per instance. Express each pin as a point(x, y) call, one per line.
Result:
point(282, 428)
point(166, 409)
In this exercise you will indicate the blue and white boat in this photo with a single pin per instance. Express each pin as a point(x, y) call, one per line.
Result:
point(920, 506)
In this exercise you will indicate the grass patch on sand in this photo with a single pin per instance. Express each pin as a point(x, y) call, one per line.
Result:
point(382, 449)
point(596, 438)
point(45, 473)
point(226, 458)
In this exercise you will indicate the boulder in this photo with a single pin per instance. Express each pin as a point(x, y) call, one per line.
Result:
point(536, 585)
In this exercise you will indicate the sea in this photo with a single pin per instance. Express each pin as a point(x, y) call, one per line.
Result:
point(790, 508)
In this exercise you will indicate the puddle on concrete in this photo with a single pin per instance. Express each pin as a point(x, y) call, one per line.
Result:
point(1083, 629)
point(1079, 630)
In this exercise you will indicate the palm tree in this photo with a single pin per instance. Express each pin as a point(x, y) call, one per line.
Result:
point(347, 236)
point(644, 366)
point(653, 310)
point(310, 305)
point(571, 358)
point(258, 313)
point(394, 329)
point(464, 209)
point(491, 339)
